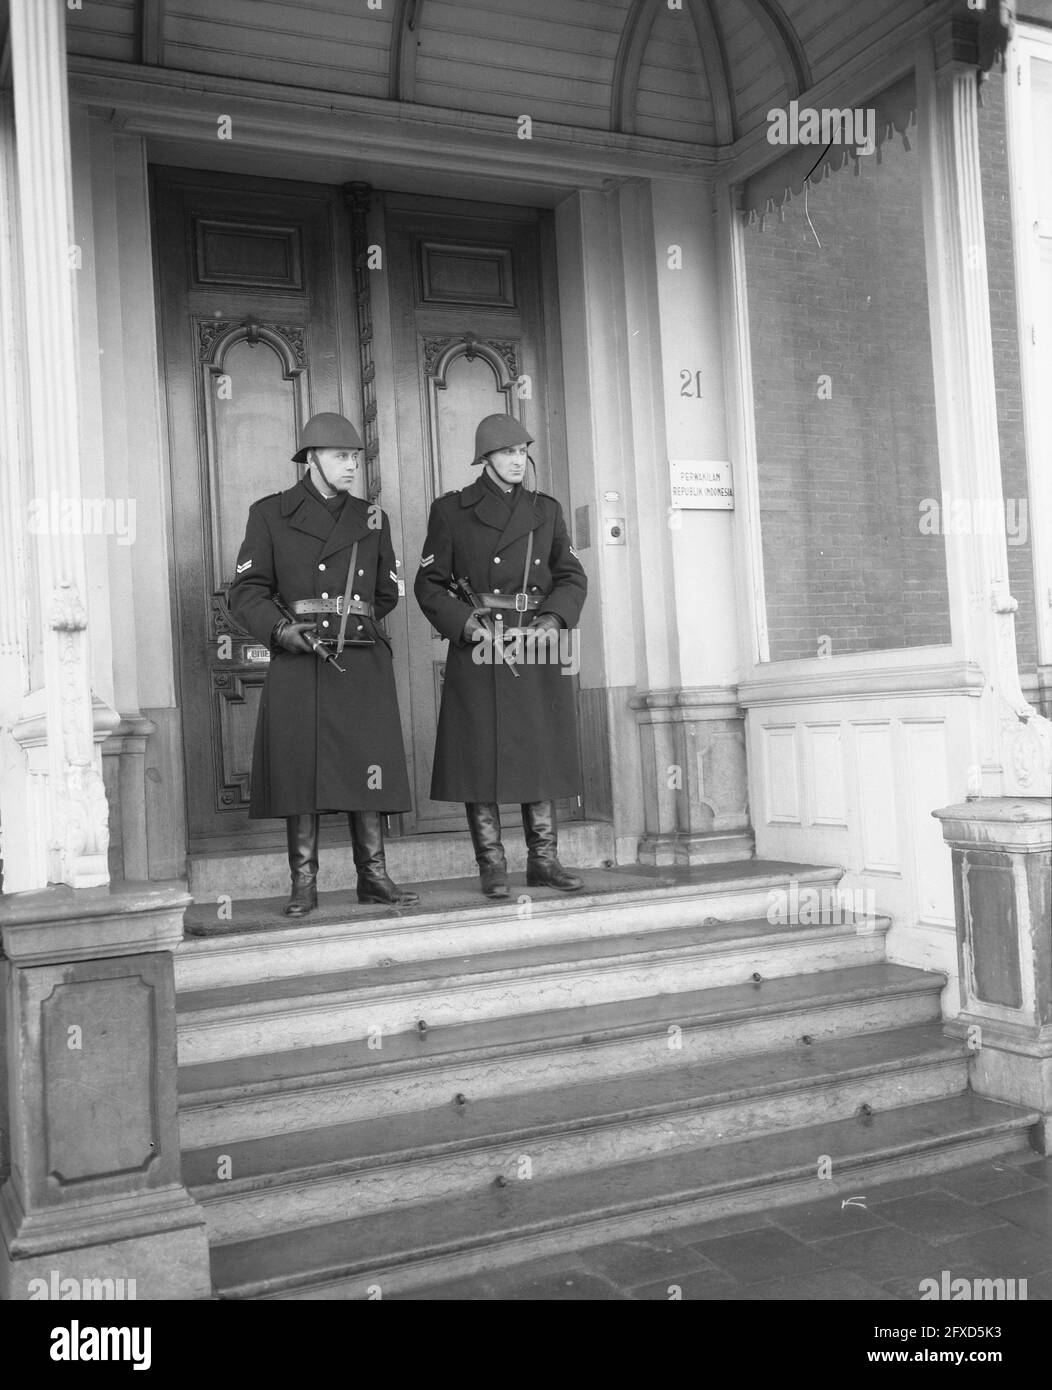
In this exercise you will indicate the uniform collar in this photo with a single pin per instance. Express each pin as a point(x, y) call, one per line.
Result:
point(524, 516)
point(307, 513)
point(333, 504)
point(505, 494)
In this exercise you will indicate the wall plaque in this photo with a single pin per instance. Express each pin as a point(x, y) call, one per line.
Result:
point(701, 485)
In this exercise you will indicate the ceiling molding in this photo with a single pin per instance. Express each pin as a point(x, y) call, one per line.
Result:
point(401, 81)
point(786, 43)
point(635, 35)
point(717, 69)
point(151, 32)
point(166, 104)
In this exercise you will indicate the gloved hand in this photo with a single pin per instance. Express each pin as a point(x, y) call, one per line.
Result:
point(471, 628)
point(289, 636)
point(546, 622)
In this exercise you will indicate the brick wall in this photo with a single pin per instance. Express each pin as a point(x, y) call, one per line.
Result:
point(841, 479)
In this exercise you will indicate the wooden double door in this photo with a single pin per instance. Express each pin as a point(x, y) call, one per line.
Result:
point(259, 330)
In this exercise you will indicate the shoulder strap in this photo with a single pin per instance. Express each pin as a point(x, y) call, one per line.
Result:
point(347, 597)
point(526, 570)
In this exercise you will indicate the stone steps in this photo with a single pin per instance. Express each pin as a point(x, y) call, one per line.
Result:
point(453, 919)
point(496, 1225)
point(289, 1181)
point(275, 1093)
point(406, 1095)
point(310, 1010)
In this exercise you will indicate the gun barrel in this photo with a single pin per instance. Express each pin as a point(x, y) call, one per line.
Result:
point(464, 590)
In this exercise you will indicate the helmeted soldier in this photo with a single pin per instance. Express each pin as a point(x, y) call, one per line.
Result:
point(505, 733)
point(316, 573)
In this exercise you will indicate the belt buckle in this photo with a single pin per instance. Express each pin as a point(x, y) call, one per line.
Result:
point(522, 602)
point(339, 605)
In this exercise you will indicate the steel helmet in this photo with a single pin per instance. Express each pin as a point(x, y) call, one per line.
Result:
point(327, 431)
point(499, 432)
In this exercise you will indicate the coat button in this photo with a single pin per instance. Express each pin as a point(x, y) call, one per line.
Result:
point(356, 597)
point(496, 559)
point(359, 627)
point(325, 595)
point(496, 591)
point(321, 567)
point(325, 623)
point(361, 571)
point(536, 562)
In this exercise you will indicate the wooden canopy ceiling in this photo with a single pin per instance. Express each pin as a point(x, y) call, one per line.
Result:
point(701, 71)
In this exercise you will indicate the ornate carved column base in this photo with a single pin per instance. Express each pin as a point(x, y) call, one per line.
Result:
point(94, 1189)
point(695, 787)
point(1002, 878)
point(32, 732)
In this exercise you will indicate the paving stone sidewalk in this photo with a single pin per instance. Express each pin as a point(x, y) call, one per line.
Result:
point(993, 1220)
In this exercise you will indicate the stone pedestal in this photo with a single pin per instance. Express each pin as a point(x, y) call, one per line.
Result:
point(1002, 880)
point(695, 788)
point(94, 1190)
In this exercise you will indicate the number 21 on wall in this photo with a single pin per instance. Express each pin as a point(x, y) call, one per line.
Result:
point(689, 383)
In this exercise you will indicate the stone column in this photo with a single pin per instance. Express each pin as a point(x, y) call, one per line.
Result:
point(1002, 880)
point(1000, 839)
point(75, 823)
point(695, 787)
point(94, 1190)
point(1013, 743)
point(124, 756)
point(24, 856)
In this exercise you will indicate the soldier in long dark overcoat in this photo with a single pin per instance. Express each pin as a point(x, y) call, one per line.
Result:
point(502, 736)
point(326, 740)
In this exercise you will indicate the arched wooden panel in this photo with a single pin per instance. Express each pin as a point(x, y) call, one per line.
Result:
point(467, 379)
point(402, 73)
point(785, 42)
point(635, 35)
point(717, 69)
point(252, 391)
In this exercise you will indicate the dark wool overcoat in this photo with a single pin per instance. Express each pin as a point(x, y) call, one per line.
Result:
point(501, 738)
point(324, 741)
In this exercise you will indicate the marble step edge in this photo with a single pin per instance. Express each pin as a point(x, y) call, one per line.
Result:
point(342, 1102)
point(617, 952)
point(694, 1011)
point(582, 1151)
point(947, 1140)
point(917, 1051)
point(407, 922)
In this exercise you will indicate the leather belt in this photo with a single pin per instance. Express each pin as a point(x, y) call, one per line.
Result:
point(305, 606)
point(521, 603)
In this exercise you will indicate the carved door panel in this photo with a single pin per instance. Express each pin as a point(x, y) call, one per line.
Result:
point(251, 306)
point(467, 296)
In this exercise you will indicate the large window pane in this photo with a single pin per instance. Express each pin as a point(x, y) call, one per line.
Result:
point(845, 416)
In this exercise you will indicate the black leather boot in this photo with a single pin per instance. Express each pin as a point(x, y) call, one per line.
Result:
point(543, 869)
point(484, 824)
point(367, 837)
point(303, 864)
